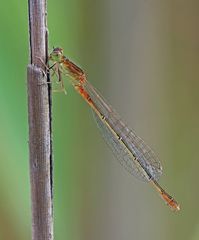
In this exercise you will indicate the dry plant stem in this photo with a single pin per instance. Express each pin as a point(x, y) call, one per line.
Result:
point(38, 31)
point(39, 146)
point(39, 111)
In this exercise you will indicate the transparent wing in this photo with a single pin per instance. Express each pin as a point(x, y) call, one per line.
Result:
point(131, 151)
point(124, 156)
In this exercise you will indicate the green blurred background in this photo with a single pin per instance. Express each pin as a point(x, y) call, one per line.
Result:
point(143, 57)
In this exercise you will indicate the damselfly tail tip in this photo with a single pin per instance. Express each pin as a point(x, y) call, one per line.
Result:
point(170, 201)
point(174, 206)
point(178, 207)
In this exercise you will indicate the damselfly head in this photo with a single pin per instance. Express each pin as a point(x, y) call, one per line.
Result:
point(56, 55)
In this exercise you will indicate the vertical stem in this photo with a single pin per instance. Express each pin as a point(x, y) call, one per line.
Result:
point(39, 111)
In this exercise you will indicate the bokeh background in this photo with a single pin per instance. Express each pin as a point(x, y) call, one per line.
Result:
point(143, 56)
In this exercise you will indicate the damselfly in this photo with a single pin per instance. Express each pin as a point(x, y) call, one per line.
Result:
point(131, 151)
